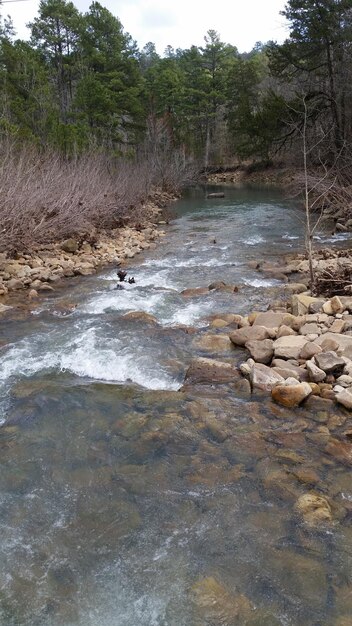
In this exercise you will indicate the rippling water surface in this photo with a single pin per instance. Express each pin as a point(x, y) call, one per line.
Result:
point(126, 500)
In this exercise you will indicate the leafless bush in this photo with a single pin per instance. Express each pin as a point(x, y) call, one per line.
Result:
point(44, 198)
point(170, 166)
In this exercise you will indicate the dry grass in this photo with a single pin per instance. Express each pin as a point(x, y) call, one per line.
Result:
point(44, 198)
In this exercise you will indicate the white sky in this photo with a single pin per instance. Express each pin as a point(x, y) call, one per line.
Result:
point(180, 23)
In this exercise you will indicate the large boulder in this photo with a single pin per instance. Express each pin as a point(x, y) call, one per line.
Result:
point(344, 342)
point(289, 347)
point(263, 377)
point(291, 395)
point(249, 333)
point(329, 362)
point(269, 319)
point(301, 303)
point(209, 371)
point(261, 351)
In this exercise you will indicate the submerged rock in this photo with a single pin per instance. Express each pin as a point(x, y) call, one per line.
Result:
point(314, 509)
point(214, 604)
point(210, 371)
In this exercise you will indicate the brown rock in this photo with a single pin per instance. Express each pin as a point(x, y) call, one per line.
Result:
point(263, 377)
point(210, 371)
point(269, 319)
point(336, 305)
point(337, 326)
point(285, 331)
point(249, 333)
point(340, 450)
point(309, 350)
point(300, 303)
point(329, 362)
point(291, 395)
point(310, 329)
point(261, 351)
point(315, 374)
point(289, 347)
point(14, 284)
point(286, 373)
point(140, 316)
point(314, 508)
point(345, 398)
point(213, 343)
point(197, 291)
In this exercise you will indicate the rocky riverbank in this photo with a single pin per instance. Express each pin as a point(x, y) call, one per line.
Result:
point(301, 354)
point(44, 267)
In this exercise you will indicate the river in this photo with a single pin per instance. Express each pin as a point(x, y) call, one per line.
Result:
point(120, 504)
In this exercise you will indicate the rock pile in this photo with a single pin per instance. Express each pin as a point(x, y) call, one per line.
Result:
point(301, 354)
point(41, 268)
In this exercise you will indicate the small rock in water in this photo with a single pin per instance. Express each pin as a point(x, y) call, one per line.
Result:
point(314, 509)
point(291, 395)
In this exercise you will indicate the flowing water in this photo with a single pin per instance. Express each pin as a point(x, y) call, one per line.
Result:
point(128, 501)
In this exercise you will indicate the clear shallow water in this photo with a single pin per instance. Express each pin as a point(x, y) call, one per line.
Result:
point(120, 504)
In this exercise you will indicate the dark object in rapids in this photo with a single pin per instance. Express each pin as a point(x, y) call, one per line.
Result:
point(131, 280)
point(119, 287)
point(218, 194)
point(121, 275)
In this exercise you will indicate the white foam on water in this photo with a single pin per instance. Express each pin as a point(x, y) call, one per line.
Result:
point(261, 282)
point(333, 238)
point(190, 314)
point(193, 262)
point(88, 357)
point(290, 237)
point(253, 241)
point(123, 300)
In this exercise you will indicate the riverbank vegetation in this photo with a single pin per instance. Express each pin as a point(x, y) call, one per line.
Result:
point(80, 103)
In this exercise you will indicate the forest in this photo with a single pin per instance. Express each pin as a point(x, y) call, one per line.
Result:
point(80, 88)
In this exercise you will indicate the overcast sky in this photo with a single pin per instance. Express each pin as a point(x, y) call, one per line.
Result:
point(180, 23)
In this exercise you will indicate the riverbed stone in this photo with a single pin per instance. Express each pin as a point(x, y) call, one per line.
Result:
point(269, 319)
point(340, 450)
point(314, 509)
point(337, 326)
point(330, 362)
point(291, 395)
point(286, 373)
point(249, 333)
point(215, 604)
point(141, 316)
point(213, 343)
point(197, 291)
point(345, 398)
point(310, 329)
point(210, 371)
point(263, 377)
point(315, 374)
point(301, 302)
point(289, 347)
point(285, 331)
point(261, 351)
point(309, 350)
